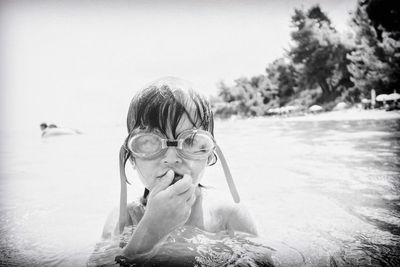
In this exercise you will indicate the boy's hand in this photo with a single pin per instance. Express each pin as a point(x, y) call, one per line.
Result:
point(169, 207)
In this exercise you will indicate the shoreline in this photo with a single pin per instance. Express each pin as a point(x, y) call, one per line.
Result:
point(349, 114)
point(339, 115)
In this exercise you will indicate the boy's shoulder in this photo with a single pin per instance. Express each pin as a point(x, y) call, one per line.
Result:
point(230, 210)
point(218, 203)
point(234, 216)
point(219, 207)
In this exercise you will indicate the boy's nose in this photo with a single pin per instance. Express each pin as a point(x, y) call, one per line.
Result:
point(171, 156)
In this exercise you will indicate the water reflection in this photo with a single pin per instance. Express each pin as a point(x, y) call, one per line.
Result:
point(324, 193)
point(339, 179)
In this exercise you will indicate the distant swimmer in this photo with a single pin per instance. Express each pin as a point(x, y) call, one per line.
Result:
point(54, 130)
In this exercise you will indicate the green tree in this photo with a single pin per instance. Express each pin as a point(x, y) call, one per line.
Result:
point(224, 92)
point(244, 96)
point(375, 60)
point(282, 77)
point(318, 54)
point(384, 16)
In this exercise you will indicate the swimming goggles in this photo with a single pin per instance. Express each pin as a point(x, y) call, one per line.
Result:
point(192, 144)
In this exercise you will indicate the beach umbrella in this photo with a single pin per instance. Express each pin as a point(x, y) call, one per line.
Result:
point(315, 108)
point(393, 96)
point(292, 108)
point(381, 97)
point(340, 106)
point(273, 111)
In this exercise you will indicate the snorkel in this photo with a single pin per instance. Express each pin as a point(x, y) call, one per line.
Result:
point(161, 106)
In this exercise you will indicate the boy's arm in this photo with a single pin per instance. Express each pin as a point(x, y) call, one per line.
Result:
point(144, 238)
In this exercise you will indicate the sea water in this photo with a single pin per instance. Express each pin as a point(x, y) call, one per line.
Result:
point(323, 193)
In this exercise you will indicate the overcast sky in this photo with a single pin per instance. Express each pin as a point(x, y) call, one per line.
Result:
point(58, 55)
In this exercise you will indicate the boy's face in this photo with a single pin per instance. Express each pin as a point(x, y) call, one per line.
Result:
point(151, 170)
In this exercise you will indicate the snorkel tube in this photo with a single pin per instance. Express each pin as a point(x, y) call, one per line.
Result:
point(123, 157)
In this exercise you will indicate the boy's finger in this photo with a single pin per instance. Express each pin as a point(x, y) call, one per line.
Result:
point(182, 185)
point(163, 182)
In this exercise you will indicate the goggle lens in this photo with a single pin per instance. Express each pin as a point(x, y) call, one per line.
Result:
point(146, 144)
point(198, 144)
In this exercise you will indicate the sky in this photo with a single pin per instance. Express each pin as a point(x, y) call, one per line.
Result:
point(79, 62)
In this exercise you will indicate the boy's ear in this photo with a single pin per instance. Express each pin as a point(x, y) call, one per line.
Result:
point(212, 159)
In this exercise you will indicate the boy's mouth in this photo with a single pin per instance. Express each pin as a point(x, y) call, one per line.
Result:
point(177, 177)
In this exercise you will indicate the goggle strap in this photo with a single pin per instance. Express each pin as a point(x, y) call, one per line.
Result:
point(228, 175)
point(123, 157)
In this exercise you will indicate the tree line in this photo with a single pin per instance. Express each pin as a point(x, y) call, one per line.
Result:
point(323, 66)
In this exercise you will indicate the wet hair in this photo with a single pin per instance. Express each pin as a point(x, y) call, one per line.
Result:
point(161, 106)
